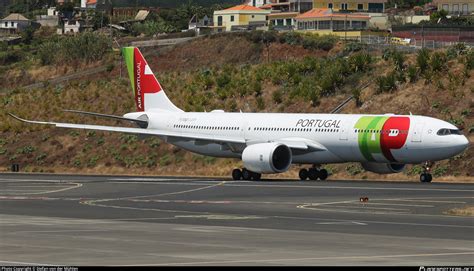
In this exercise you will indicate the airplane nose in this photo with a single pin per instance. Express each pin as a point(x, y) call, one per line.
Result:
point(461, 143)
point(464, 142)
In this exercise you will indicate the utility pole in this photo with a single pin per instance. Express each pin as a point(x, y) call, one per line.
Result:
point(345, 29)
point(422, 36)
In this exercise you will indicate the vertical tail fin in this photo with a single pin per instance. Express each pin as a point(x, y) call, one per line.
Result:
point(147, 90)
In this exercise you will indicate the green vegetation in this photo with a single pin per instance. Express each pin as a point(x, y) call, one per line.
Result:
point(86, 47)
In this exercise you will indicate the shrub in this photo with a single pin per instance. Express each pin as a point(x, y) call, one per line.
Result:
point(386, 83)
point(456, 50)
point(412, 73)
point(8, 57)
point(354, 169)
point(438, 61)
point(291, 38)
point(277, 96)
point(260, 103)
point(469, 60)
point(423, 59)
point(352, 47)
point(360, 62)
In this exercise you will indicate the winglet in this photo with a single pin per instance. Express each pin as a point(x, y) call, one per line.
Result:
point(28, 121)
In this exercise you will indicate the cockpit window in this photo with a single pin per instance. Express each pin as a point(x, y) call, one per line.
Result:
point(445, 131)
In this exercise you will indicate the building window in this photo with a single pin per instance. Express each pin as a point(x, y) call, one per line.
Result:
point(330, 5)
point(324, 25)
point(344, 6)
point(338, 25)
point(6, 24)
point(360, 6)
point(288, 22)
point(232, 18)
point(254, 3)
point(253, 16)
point(455, 8)
point(445, 7)
point(219, 20)
point(465, 9)
point(12, 24)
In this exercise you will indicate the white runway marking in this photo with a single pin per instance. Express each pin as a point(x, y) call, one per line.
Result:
point(26, 263)
point(69, 187)
point(342, 223)
point(316, 258)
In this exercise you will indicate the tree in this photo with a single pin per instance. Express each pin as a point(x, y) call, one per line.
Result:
point(440, 14)
point(27, 34)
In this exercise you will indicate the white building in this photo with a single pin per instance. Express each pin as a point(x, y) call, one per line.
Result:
point(257, 3)
point(14, 23)
point(52, 19)
point(70, 27)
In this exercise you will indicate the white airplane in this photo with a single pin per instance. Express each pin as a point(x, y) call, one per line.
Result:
point(271, 142)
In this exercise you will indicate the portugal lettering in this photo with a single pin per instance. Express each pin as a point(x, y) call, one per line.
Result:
point(318, 123)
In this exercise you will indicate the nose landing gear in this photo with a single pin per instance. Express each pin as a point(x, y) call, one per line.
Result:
point(426, 177)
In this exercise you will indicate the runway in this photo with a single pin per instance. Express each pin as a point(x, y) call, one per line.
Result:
point(123, 220)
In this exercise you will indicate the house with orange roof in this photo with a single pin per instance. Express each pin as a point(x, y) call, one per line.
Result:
point(371, 6)
point(284, 12)
point(328, 21)
point(91, 4)
point(240, 17)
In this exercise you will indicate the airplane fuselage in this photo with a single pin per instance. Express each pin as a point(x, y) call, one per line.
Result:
point(346, 137)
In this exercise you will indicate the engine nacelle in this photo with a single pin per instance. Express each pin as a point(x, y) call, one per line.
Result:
point(383, 168)
point(267, 157)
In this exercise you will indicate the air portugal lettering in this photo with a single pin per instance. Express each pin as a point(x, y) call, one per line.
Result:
point(379, 135)
point(145, 81)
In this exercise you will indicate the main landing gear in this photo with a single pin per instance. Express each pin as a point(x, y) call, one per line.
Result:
point(245, 174)
point(426, 177)
point(313, 174)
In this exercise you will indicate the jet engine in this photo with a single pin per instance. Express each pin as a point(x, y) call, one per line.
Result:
point(383, 168)
point(267, 157)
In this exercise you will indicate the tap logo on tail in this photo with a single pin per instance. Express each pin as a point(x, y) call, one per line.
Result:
point(141, 77)
point(377, 136)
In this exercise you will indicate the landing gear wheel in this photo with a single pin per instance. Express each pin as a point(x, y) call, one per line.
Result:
point(236, 174)
point(313, 174)
point(256, 176)
point(323, 174)
point(425, 177)
point(246, 175)
point(303, 174)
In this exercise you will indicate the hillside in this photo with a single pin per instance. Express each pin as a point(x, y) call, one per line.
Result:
point(234, 72)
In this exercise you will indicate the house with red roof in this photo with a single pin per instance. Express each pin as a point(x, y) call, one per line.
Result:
point(241, 17)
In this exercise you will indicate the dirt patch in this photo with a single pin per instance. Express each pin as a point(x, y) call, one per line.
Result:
point(466, 211)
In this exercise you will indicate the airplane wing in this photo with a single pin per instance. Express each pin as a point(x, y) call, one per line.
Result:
point(292, 142)
point(301, 144)
point(137, 131)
